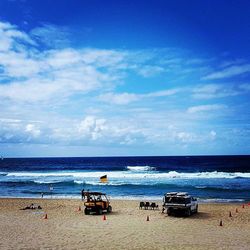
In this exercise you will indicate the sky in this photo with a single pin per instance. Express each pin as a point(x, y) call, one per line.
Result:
point(124, 78)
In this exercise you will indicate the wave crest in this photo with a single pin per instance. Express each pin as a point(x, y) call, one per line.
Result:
point(140, 168)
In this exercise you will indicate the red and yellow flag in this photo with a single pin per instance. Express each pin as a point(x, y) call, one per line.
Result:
point(104, 179)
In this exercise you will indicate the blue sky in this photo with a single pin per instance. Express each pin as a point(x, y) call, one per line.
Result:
point(104, 78)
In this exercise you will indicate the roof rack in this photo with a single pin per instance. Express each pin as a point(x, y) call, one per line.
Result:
point(182, 194)
point(171, 193)
point(93, 193)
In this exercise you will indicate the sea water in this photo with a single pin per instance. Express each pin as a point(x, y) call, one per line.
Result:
point(210, 178)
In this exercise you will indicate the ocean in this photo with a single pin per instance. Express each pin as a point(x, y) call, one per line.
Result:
point(209, 178)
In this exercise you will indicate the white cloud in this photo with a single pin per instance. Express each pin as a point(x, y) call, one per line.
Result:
point(10, 120)
point(162, 93)
point(120, 99)
point(16, 131)
point(51, 35)
point(29, 91)
point(210, 91)
point(51, 94)
point(227, 63)
point(205, 108)
point(33, 75)
point(63, 58)
point(19, 64)
point(92, 127)
point(185, 137)
point(128, 141)
point(212, 134)
point(9, 35)
point(126, 98)
point(33, 130)
point(150, 70)
point(207, 89)
point(228, 72)
point(105, 58)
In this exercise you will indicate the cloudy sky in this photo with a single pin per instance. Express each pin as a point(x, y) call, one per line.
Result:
point(104, 78)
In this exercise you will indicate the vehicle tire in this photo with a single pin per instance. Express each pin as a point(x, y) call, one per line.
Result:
point(99, 211)
point(109, 210)
point(169, 212)
point(86, 211)
point(196, 210)
point(188, 212)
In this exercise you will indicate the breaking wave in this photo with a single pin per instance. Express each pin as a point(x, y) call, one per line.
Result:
point(134, 174)
point(140, 168)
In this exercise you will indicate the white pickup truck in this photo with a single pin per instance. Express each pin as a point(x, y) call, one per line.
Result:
point(180, 202)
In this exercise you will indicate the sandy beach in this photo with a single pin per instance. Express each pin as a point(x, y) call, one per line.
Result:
point(125, 228)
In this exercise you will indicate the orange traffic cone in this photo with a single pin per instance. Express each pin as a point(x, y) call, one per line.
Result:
point(147, 218)
point(46, 217)
point(221, 224)
point(243, 206)
point(104, 217)
point(236, 210)
point(230, 214)
point(79, 209)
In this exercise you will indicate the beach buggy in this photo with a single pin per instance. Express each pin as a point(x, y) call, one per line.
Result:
point(96, 202)
point(175, 202)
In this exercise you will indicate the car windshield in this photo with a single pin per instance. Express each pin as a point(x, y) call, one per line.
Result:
point(179, 200)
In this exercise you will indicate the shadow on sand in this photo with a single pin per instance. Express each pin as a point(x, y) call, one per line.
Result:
point(106, 214)
point(198, 216)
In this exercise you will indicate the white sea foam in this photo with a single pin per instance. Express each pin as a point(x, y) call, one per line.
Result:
point(96, 182)
point(79, 182)
point(44, 174)
point(129, 175)
point(46, 181)
point(140, 168)
point(118, 178)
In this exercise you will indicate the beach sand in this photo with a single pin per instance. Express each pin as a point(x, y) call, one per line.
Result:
point(125, 228)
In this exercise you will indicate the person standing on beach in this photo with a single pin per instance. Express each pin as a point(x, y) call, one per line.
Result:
point(82, 194)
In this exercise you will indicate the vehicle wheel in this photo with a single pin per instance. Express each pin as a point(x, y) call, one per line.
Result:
point(188, 212)
point(169, 212)
point(196, 210)
point(86, 211)
point(99, 211)
point(109, 210)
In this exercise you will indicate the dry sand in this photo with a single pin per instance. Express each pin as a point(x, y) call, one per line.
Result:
point(125, 228)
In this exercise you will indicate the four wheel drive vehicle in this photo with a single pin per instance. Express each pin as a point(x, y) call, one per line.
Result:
point(180, 202)
point(96, 202)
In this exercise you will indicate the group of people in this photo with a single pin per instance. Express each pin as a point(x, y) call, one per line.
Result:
point(32, 206)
